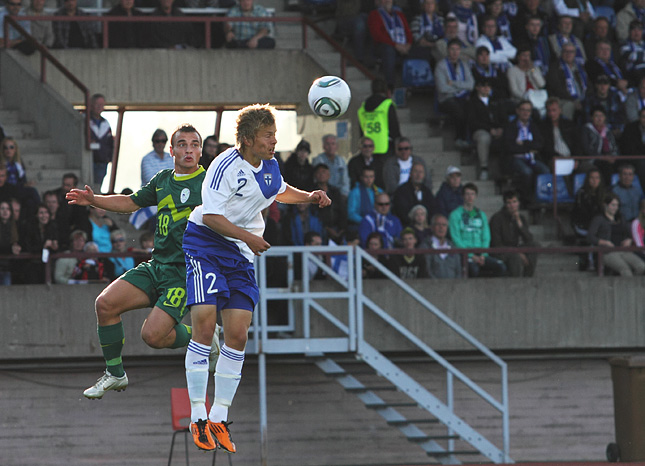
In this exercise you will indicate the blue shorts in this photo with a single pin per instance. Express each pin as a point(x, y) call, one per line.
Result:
point(224, 282)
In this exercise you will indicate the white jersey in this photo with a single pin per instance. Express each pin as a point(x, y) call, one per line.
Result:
point(238, 191)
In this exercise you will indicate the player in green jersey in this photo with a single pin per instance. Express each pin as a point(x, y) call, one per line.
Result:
point(161, 282)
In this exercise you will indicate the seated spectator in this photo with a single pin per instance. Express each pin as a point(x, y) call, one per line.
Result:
point(15, 40)
point(365, 158)
point(92, 269)
point(210, 150)
point(597, 140)
point(334, 217)
point(339, 177)
point(451, 193)
point(249, 35)
point(65, 266)
point(7, 190)
point(124, 35)
point(469, 229)
point(442, 265)
point(568, 81)
point(408, 266)
point(298, 172)
point(165, 35)
point(454, 82)
point(9, 241)
point(300, 220)
point(374, 243)
point(637, 228)
point(418, 221)
point(483, 69)
point(58, 216)
point(451, 26)
point(525, 81)
point(380, 220)
point(391, 37)
point(629, 194)
point(601, 30)
point(396, 170)
point(537, 43)
point(121, 264)
point(589, 202)
point(413, 192)
point(361, 199)
point(378, 121)
point(72, 34)
point(632, 54)
point(42, 31)
point(527, 9)
point(465, 11)
point(633, 11)
point(501, 50)
point(486, 120)
point(634, 104)
point(609, 99)
point(16, 175)
point(632, 142)
point(563, 36)
point(610, 230)
point(509, 228)
point(495, 8)
point(603, 64)
point(561, 138)
point(40, 237)
point(525, 143)
point(427, 29)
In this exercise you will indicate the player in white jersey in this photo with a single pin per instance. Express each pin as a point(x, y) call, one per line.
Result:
point(221, 239)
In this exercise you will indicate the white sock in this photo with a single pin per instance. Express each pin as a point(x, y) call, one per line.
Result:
point(228, 373)
point(197, 378)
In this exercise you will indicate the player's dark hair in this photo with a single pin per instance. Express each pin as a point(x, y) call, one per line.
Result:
point(185, 128)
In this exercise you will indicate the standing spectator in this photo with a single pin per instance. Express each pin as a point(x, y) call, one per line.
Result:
point(351, 22)
point(165, 35)
point(634, 104)
point(526, 81)
point(39, 236)
point(501, 50)
point(102, 141)
point(378, 120)
point(334, 218)
point(629, 194)
point(598, 140)
point(632, 54)
point(568, 81)
point(365, 158)
point(530, 9)
point(123, 35)
point(469, 229)
point(561, 138)
point(564, 36)
point(59, 218)
point(396, 170)
point(633, 11)
point(335, 163)
point(8, 241)
point(464, 12)
point(637, 228)
point(486, 121)
point(16, 175)
point(361, 198)
point(509, 228)
point(15, 40)
point(121, 264)
point(451, 26)
point(380, 220)
point(298, 172)
point(249, 35)
point(43, 31)
point(157, 159)
point(524, 144)
point(451, 192)
point(603, 64)
point(633, 142)
point(454, 83)
point(442, 265)
point(65, 266)
point(210, 150)
point(413, 192)
point(408, 266)
point(418, 221)
point(605, 96)
point(72, 34)
point(427, 29)
point(391, 36)
point(610, 230)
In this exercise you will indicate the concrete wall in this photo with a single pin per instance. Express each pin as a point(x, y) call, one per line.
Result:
point(53, 116)
point(580, 312)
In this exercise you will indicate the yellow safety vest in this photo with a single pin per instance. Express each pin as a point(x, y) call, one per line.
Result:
point(375, 125)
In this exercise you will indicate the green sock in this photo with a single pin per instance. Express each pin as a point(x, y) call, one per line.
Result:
point(183, 335)
point(112, 338)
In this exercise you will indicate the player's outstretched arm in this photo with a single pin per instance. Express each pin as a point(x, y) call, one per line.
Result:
point(114, 202)
point(224, 227)
point(297, 196)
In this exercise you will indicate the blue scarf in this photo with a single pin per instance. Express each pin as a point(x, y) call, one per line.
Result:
point(491, 72)
point(454, 76)
point(393, 25)
point(540, 59)
point(562, 40)
point(504, 26)
point(571, 82)
point(367, 201)
point(524, 134)
point(432, 27)
point(610, 69)
point(510, 8)
point(466, 15)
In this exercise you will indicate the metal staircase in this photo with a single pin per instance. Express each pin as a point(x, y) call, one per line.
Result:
point(444, 425)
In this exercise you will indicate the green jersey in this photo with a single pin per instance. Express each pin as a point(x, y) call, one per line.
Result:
point(175, 197)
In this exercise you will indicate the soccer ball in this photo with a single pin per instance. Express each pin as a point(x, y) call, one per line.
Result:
point(329, 96)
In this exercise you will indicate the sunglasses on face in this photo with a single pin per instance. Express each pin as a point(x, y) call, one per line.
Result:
point(9, 147)
point(382, 203)
point(156, 141)
point(404, 148)
point(368, 146)
point(118, 240)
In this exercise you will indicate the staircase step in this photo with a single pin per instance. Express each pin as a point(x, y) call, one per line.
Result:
point(403, 422)
point(8, 115)
point(19, 131)
point(374, 388)
point(380, 405)
point(425, 438)
point(455, 452)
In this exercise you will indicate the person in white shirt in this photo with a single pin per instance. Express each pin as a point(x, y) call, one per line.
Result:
point(157, 159)
point(501, 50)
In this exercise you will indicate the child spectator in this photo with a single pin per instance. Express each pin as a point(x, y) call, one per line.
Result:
point(65, 266)
point(408, 265)
point(361, 198)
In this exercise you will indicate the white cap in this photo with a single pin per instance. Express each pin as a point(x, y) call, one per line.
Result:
point(452, 169)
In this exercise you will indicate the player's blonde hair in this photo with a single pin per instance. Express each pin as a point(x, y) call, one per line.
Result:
point(251, 119)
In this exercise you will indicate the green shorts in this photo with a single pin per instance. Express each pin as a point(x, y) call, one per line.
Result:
point(165, 285)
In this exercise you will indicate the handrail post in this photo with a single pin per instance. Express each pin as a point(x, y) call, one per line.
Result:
point(5, 27)
point(207, 33)
point(104, 33)
point(555, 195)
point(304, 34)
point(43, 70)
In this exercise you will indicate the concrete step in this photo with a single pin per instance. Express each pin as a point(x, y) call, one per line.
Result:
point(49, 179)
point(19, 130)
point(8, 116)
point(34, 145)
point(42, 161)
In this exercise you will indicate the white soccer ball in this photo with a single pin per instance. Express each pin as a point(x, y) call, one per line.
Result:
point(329, 96)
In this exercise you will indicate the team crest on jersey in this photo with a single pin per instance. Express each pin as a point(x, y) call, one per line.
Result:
point(267, 178)
point(185, 194)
